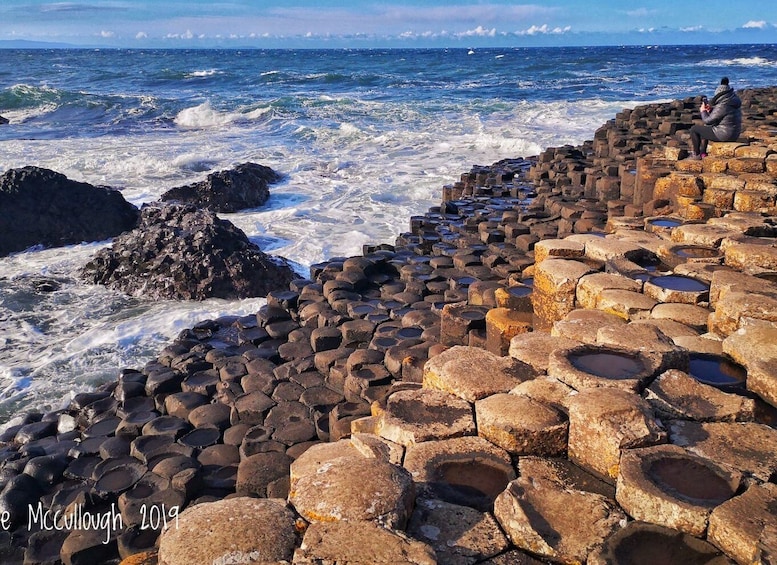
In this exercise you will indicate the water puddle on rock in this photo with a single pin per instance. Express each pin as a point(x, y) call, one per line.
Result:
point(607, 365)
point(690, 480)
point(469, 483)
point(717, 371)
point(665, 223)
point(696, 252)
point(680, 283)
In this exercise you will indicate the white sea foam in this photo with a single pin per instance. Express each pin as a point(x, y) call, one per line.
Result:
point(204, 73)
point(739, 61)
point(203, 116)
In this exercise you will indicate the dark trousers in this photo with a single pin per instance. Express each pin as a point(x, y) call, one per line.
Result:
point(700, 136)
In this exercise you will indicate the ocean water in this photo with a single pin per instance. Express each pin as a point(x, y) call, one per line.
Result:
point(364, 138)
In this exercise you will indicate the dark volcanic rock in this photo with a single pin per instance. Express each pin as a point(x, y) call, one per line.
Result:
point(3, 120)
point(243, 187)
point(180, 252)
point(43, 207)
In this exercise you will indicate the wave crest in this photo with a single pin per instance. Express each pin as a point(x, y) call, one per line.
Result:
point(740, 61)
point(205, 116)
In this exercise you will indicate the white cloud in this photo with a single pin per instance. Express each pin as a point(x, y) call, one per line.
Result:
point(752, 24)
point(544, 29)
point(186, 35)
point(141, 35)
point(479, 31)
point(692, 29)
point(106, 34)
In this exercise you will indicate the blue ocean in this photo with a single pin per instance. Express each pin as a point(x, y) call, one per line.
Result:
point(364, 138)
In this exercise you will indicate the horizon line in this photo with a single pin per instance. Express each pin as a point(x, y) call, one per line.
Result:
point(5, 44)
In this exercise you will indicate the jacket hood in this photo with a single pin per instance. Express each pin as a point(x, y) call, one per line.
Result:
point(724, 94)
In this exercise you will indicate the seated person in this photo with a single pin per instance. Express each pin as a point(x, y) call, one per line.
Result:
point(722, 118)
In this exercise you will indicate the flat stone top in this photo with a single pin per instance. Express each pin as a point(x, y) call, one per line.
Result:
point(423, 460)
point(600, 402)
point(515, 410)
point(557, 248)
point(702, 234)
point(636, 336)
point(534, 348)
point(751, 257)
point(552, 274)
point(604, 248)
point(751, 343)
point(472, 373)
point(413, 416)
point(234, 528)
point(348, 488)
point(726, 280)
point(602, 281)
point(360, 542)
point(318, 454)
point(741, 222)
point(681, 395)
point(745, 522)
point(746, 446)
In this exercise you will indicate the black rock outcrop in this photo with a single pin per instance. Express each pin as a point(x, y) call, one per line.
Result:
point(3, 120)
point(182, 252)
point(245, 186)
point(42, 207)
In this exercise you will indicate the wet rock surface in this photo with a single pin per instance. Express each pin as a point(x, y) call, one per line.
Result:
point(245, 186)
point(42, 207)
point(180, 252)
point(387, 377)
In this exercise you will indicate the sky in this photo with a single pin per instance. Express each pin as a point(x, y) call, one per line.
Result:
point(368, 24)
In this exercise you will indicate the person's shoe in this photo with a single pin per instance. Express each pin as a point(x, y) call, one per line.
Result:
point(703, 155)
point(694, 157)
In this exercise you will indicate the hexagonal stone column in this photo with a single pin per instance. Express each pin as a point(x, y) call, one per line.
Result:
point(744, 527)
point(472, 373)
point(591, 286)
point(467, 471)
point(603, 422)
point(595, 366)
point(359, 542)
point(677, 395)
point(555, 284)
point(564, 525)
point(236, 528)
point(413, 416)
point(354, 489)
point(458, 534)
point(521, 426)
point(746, 446)
point(644, 543)
point(755, 347)
point(668, 486)
point(534, 348)
point(502, 325)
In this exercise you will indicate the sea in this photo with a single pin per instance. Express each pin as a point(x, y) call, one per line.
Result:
point(364, 139)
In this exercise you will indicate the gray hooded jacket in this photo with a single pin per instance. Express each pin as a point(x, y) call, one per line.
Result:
point(726, 115)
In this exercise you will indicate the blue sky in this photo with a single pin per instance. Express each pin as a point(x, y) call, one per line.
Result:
point(366, 23)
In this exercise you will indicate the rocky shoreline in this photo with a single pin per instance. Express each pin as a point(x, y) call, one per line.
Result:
point(572, 359)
